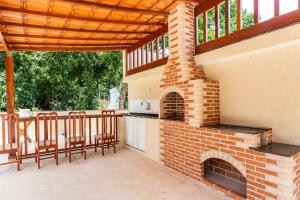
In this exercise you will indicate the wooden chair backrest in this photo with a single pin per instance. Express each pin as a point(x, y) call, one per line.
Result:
point(77, 130)
point(10, 132)
point(109, 125)
point(50, 129)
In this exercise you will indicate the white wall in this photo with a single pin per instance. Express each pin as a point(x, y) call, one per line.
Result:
point(144, 85)
point(260, 82)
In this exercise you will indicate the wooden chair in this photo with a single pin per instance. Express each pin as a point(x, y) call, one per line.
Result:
point(109, 129)
point(49, 141)
point(76, 133)
point(10, 143)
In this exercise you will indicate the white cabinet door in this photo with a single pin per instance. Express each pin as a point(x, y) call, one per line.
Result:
point(142, 134)
point(135, 130)
point(128, 130)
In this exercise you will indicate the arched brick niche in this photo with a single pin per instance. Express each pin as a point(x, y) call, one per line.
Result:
point(225, 171)
point(172, 107)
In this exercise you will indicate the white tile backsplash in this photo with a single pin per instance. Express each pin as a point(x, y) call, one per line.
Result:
point(138, 107)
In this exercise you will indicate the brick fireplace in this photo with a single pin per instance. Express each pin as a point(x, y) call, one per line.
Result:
point(229, 158)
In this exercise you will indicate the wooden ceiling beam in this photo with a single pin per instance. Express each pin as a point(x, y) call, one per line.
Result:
point(117, 7)
point(68, 45)
point(90, 19)
point(68, 38)
point(3, 42)
point(73, 49)
point(71, 29)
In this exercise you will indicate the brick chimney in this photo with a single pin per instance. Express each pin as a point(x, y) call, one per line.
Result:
point(181, 75)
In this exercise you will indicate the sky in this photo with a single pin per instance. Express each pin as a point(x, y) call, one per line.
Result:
point(267, 7)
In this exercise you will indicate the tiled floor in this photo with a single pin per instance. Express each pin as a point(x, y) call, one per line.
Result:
point(126, 175)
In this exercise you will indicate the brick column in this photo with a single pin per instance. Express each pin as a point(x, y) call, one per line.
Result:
point(181, 66)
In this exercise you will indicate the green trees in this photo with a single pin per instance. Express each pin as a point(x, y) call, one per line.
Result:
point(247, 21)
point(62, 80)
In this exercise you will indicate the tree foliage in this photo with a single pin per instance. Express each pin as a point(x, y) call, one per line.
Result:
point(247, 21)
point(62, 80)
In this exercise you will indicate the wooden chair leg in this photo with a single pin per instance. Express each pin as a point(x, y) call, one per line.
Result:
point(21, 155)
point(66, 150)
point(85, 152)
point(56, 155)
point(114, 146)
point(102, 146)
point(82, 149)
point(39, 159)
point(70, 153)
point(35, 155)
point(18, 161)
point(96, 144)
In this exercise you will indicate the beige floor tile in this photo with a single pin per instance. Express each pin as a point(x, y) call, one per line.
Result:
point(126, 175)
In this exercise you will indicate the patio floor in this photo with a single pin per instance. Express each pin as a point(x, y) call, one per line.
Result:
point(125, 175)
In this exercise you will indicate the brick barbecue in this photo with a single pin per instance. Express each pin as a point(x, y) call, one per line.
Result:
point(239, 161)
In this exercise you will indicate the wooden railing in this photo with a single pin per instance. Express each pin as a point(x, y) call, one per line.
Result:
point(151, 52)
point(223, 22)
point(28, 132)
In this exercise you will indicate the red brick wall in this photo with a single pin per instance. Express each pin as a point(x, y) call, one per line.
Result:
point(211, 103)
point(182, 146)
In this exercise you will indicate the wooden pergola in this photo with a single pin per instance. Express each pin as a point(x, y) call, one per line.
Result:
point(76, 25)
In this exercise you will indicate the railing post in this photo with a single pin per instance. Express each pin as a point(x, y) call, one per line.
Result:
point(151, 47)
point(256, 12)
point(157, 49)
point(217, 21)
point(276, 8)
point(137, 57)
point(163, 45)
point(239, 15)
point(204, 27)
point(146, 53)
point(227, 17)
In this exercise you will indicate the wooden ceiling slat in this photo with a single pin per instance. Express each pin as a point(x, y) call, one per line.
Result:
point(68, 38)
point(117, 7)
point(71, 29)
point(72, 17)
point(117, 48)
point(51, 24)
point(69, 45)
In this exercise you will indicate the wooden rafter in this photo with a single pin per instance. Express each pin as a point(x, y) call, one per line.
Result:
point(168, 6)
point(68, 38)
point(69, 45)
point(116, 48)
point(71, 29)
point(117, 7)
point(3, 42)
point(72, 17)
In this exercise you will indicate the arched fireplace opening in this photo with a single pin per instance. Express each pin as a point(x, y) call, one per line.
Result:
point(223, 173)
point(172, 107)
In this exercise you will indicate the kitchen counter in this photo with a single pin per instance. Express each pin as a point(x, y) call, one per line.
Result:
point(238, 129)
point(280, 149)
point(142, 115)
